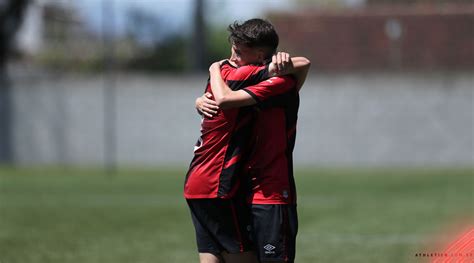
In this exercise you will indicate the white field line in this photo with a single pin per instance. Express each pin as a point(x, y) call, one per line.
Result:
point(89, 200)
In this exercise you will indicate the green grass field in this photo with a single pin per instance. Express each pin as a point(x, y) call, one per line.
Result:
point(346, 215)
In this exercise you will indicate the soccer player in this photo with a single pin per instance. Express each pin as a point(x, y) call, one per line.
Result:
point(219, 217)
point(212, 179)
point(272, 192)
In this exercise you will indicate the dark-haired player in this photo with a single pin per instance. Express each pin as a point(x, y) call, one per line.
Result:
point(213, 176)
point(272, 193)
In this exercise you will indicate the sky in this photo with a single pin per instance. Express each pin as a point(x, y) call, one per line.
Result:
point(176, 14)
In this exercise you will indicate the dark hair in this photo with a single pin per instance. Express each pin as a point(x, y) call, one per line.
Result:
point(254, 33)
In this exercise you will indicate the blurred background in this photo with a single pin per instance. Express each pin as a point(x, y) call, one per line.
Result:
point(384, 153)
point(114, 81)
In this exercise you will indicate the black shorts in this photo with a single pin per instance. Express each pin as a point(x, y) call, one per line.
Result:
point(221, 225)
point(274, 232)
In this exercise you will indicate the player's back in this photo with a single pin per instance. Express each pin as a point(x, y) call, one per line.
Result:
point(271, 166)
point(219, 152)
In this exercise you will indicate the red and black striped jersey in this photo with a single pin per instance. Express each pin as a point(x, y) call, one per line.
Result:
point(270, 168)
point(221, 150)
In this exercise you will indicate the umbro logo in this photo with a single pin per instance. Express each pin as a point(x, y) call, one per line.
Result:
point(269, 249)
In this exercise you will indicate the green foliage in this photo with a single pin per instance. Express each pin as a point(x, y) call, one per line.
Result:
point(217, 45)
point(350, 215)
point(169, 55)
point(173, 53)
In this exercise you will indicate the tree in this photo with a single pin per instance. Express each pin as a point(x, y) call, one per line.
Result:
point(11, 16)
point(198, 43)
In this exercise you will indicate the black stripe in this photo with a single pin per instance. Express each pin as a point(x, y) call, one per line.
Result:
point(254, 79)
point(238, 145)
point(253, 95)
point(281, 100)
point(291, 116)
point(239, 142)
point(226, 62)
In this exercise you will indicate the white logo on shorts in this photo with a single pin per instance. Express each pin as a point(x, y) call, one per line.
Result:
point(269, 249)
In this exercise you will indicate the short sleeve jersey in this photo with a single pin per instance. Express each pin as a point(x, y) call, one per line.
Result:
point(270, 168)
point(223, 146)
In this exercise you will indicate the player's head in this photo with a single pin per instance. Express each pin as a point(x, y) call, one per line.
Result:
point(253, 41)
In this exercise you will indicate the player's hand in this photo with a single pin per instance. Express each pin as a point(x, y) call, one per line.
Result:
point(206, 105)
point(282, 64)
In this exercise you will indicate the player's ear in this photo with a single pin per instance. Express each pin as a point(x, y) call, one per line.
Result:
point(261, 55)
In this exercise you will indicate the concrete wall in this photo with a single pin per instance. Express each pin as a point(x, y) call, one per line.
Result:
point(345, 119)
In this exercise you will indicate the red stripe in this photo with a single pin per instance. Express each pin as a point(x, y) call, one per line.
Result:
point(468, 236)
point(459, 248)
point(237, 226)
point(459, 240)
point(232, 161)
point(464, 243)
point(464, 248)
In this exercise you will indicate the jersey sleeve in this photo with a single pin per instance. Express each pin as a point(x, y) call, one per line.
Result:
point(226, 69)
point(271, 87)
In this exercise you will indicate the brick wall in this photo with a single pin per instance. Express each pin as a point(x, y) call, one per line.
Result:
point(410, 37)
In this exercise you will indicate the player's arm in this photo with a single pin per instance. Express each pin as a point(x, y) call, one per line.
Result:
point(224, 97)
point(296, 66)
point(303, 67)
point(250, 95)
point(281, 65)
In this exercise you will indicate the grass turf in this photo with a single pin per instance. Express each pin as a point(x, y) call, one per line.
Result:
point(346, 215)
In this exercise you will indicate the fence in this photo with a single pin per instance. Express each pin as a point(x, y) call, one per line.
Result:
point(418, 118)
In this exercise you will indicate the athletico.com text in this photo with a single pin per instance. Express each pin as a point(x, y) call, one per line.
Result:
point(444, 255)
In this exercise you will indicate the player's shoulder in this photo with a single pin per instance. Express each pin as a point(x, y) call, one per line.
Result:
point(285, 79)
point(227, 69)
point(288, 77)
point(247, 71)
point(251, 67)
point(227, 65)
